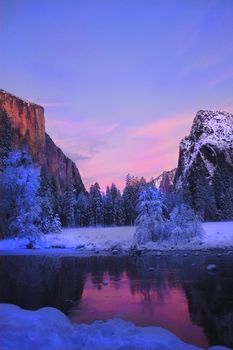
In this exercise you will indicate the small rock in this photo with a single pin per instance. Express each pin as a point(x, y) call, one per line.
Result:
point(151, 268)
point(105, 282)
point(185, 255)
point(196, 254)
point(219, 254)
point(115, 251)
point(211, 267)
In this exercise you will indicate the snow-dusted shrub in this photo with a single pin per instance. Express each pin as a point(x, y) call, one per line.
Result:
point(19, 187)
point(182, 225)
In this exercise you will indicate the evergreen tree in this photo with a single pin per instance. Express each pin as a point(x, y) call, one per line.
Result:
point(20, 205)
point(69, 203)
point(108, 207)
point(130, 197)
point(119, 214)
point(82, 210)
point(50, 221)
point(5, 137)
point(97, 205)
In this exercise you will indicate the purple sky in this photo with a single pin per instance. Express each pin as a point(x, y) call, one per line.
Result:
point(120, 81)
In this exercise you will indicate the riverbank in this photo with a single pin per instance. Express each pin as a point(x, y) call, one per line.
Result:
point(115, 240)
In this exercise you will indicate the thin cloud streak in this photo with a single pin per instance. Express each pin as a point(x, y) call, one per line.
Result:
point(143, 151)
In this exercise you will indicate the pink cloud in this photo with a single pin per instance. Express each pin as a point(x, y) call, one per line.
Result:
point(225, 75)
point(107, 152)
point(167, 125)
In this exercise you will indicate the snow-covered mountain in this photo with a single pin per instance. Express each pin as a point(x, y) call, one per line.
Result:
point(205, 168)
point(165, 181)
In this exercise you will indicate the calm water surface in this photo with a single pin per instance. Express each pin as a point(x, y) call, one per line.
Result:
point(170, 291)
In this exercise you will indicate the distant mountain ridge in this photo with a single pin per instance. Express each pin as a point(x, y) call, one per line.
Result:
point(27, 123)
point(165, 181)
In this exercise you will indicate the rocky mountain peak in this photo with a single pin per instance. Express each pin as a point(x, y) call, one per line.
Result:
point(206, 162)
point(165, 181)
point(213, 126)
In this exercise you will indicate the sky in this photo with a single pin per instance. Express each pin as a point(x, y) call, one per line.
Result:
point(120, 80)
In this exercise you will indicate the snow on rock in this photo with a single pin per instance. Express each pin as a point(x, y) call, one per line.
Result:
point(214, 128)
point(48, 328)
point(205, 166)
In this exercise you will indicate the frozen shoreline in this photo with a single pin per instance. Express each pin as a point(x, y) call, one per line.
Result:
point(49, 328)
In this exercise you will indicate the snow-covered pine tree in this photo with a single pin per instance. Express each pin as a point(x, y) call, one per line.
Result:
point(150, 219)
point(20, 204)
point(165, 218)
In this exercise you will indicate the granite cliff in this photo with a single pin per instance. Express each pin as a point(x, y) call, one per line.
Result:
point(27, 127)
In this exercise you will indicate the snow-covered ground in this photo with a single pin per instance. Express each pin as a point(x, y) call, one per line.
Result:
point(49, 328)
point(216, 235)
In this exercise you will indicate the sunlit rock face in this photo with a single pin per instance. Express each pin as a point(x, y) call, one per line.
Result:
point(27, 124)
point(27, 121)
point(205, 168)
point(165, 182)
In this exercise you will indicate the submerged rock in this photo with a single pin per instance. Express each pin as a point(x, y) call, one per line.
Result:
point(211, 267)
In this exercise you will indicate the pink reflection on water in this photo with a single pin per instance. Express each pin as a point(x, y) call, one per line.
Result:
point(127, 299)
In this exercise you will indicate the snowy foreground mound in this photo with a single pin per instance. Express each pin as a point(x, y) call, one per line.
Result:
point(49, 328)
point(216, 235)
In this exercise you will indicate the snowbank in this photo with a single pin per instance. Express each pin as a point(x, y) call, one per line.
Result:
point(217, 235)
point(49, 328)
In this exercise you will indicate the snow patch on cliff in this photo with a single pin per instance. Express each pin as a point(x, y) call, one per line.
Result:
point(211, 129)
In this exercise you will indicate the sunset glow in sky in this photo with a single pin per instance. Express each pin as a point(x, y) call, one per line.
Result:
point(120, 81)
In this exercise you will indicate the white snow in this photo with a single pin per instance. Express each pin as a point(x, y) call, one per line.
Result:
point(49, 328)
point(217, 131)
point(216, 235)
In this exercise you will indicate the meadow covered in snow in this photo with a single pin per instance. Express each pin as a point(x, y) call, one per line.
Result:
point(216, 235)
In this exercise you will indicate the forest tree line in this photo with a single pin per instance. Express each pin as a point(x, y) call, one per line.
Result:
point(30, 201)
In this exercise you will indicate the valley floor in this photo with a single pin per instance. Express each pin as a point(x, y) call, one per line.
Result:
point(98, 239)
